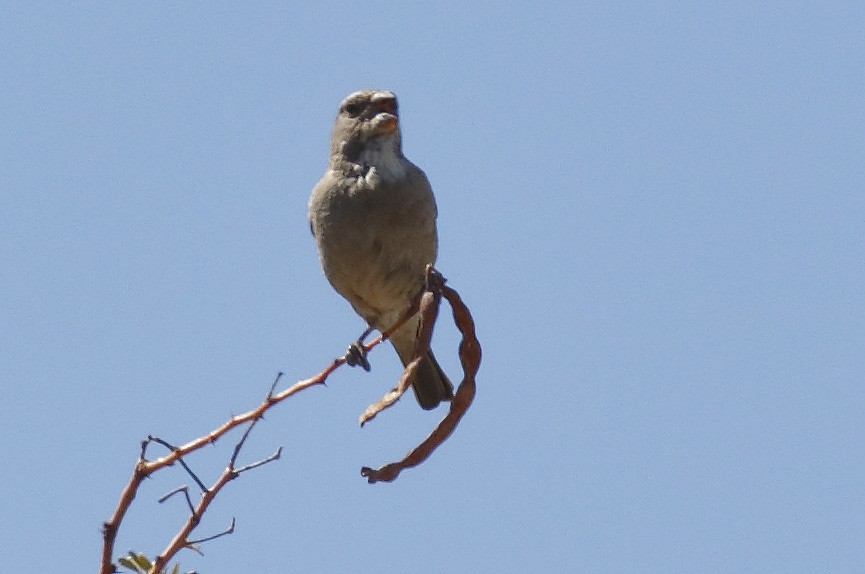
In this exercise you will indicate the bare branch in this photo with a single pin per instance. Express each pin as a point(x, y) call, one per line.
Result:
point(181, 539)
point(427, 305)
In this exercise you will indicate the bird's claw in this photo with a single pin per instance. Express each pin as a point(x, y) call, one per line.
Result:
point(356, 355)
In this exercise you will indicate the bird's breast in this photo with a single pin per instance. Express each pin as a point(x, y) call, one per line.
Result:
point(375, 243)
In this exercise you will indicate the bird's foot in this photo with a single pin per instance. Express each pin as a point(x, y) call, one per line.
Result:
point(356, 355)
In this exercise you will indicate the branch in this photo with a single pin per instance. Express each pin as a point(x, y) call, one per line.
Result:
point(144, 468)
point(181, 539)
point(428, 306)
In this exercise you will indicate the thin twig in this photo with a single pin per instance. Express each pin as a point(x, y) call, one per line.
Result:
point(181, 539)
point(275, 382)
point(250, 466)
point(185, 490)
point(226, 532)
point(241, 442)
point(180, 461)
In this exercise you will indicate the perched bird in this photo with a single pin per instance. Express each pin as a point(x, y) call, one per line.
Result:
point(373, 216)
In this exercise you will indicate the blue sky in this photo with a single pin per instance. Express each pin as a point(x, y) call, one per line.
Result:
point(654, 211)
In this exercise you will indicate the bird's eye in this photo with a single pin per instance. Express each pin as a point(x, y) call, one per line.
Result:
point(353, 109)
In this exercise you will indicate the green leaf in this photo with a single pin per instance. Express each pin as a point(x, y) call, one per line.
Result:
point(136, 562)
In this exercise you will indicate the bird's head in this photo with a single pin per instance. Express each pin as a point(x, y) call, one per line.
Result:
point(366, 117)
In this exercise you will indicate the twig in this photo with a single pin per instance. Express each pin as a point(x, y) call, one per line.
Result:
point(275, 382)
point(185, 490)
point(171, 447)
point(226, 532)
point(256, 464)
point(181, 539)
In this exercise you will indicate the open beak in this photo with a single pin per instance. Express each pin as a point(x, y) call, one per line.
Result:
point(385, 118)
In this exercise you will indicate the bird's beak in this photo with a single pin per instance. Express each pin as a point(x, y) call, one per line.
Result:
point(385, 119)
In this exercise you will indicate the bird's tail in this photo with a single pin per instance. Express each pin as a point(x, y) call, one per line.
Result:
point(431, 385)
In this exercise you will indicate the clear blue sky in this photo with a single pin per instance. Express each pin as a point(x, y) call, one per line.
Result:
point(656, 212)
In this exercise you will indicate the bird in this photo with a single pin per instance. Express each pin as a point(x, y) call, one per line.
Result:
point(373, 217)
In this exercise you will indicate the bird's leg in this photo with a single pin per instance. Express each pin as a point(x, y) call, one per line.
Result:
point(356, 353)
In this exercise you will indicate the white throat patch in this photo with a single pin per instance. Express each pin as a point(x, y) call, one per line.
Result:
point(381, 160)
